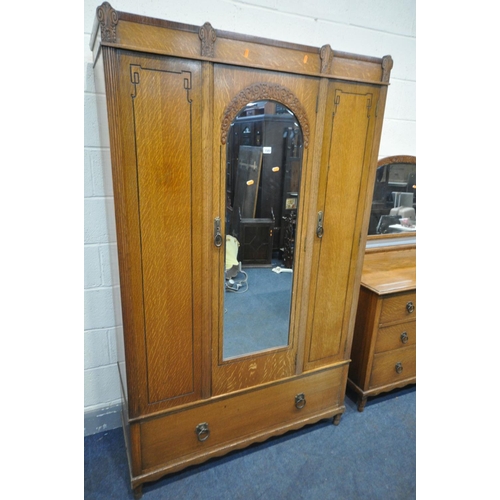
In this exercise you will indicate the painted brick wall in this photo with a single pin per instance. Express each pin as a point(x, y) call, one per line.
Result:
point(369, 27)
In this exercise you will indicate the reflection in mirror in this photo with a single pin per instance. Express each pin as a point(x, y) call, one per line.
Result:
point(263, 170)
point(394, 202)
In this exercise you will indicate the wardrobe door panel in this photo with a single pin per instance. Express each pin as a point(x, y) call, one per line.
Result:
point(234, 88)
point(346, 157)
point(162, 100)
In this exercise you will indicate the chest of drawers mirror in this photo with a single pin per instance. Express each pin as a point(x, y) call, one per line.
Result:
point(385, 337)
point(241, 171)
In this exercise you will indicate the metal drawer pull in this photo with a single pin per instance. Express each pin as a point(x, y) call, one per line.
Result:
point(404, 337)
point(319, 227)
point(202, 431)
point(300, 401)
point(410, 307)
point(399, 367)
point(217, 235)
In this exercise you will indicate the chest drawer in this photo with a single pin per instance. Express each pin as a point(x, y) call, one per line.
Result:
point(393, 366)
point(396, 336)
point(398, 307)
point(172, 438)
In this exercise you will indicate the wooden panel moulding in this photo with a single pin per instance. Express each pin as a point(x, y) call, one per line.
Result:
point(204, 42)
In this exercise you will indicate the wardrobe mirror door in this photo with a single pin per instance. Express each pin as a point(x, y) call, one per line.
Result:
point(263, 171)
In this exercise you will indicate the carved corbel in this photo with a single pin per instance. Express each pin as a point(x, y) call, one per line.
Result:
point(387, 64)
point(326, 55)
point(108, 19)
point(207, 36)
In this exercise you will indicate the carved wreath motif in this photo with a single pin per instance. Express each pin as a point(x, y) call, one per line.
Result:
point(260, 92)
point(108, 18)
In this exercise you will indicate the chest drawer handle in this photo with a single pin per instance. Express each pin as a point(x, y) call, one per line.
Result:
point(202, 431)
point(404, 337)
point(410, 307)
point(399, 367)
point(300, 401)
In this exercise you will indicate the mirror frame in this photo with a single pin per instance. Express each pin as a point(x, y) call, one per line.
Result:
point(258, 92)
point(392, 239)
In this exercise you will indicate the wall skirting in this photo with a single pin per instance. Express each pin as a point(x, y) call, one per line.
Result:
point(102, 419)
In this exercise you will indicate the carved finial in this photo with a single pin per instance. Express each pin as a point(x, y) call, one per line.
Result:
point(326, 55)
point(387, 64)
point(207, 36)
point(108, 18)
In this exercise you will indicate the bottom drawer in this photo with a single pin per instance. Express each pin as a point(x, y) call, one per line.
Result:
point(173, 438)
point(393, 366)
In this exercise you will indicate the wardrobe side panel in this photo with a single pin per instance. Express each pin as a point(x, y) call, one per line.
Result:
point(346, 158)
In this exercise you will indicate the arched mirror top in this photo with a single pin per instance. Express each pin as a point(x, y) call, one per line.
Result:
point(263, 173)
point(394, 204)
point(265, 92)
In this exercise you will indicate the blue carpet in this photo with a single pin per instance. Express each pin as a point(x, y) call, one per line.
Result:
point(258, 318)
point(369, 455)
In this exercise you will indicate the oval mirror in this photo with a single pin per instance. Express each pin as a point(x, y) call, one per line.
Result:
point(394, 204)
point(263, 171)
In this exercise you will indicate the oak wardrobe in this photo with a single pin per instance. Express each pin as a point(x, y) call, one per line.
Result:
point(242, 175)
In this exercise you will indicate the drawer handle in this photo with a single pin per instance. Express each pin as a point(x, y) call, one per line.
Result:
point(300, 401)
point(202, 431)
point(404, 337)
point(410, 307)
point(399, 367)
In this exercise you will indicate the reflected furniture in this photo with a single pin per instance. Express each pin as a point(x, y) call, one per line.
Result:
point(395, 180)
point(172, 92)
point(385, 337)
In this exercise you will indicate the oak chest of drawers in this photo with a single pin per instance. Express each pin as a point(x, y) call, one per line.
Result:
point(384, 344)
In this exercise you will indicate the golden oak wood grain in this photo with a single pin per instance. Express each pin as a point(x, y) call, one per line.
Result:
point(395, 308)
point(346, 164)
point(385, 331)
point(171, 90)
point(170, 438)
point(399, 335)
point(236, 374)
point(384, 366)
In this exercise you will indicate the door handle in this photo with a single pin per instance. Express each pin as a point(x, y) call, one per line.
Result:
point(217, 235)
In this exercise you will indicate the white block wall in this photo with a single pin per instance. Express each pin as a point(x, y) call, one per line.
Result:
point(368, 27)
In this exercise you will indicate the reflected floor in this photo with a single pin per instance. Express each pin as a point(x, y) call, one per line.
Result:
point(257, 317)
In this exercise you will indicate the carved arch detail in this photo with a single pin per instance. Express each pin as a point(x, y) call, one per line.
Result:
point(389, 160)
point(261, 92)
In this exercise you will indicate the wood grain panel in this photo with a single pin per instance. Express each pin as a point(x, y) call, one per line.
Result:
point(383, 370)
point(388, 275)
point(162, 152)
point(394, 308)
point(342, 192)
point(249, 371)
point(230, 420)
point(159, 39)
point(390, 337)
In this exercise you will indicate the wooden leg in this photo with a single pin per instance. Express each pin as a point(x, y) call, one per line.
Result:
point(138, 492)
point(336, 419)
point(362, 402)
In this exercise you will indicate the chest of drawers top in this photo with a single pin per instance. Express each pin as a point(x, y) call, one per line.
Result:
point(391, 271)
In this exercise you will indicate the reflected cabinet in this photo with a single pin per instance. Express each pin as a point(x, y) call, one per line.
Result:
point(243, 173)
